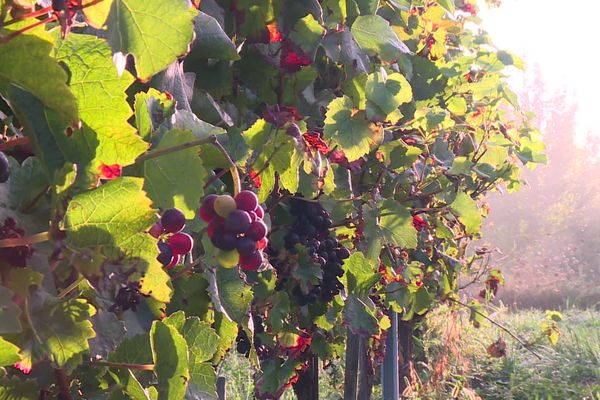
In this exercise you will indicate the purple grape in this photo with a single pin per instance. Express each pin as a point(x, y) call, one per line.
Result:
point(181, 243)
point(166, 254)
point(225, 241)
point(172, 220)
point(238, 222)
point(246, 200)
point(246, 246)
point(257, 230)
point(4, 168)
point(207, 210)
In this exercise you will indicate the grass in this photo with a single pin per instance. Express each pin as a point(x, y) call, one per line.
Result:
point(453, 361)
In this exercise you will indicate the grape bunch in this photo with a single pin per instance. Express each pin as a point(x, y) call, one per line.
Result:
point(128, 298)
point(243, 342)
point(236, 227)
point(311, 230)
point(173, 244)
point(4, 168)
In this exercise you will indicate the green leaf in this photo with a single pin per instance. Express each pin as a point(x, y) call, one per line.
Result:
point(96, 12)
point(9, 353)
point(375, 36)
point(154, 32)
point(203, 383)
point(388, 92)
point(211, 41)
point(176, 180)
point(307, 34)
point(147, 107)
point(62, 328)
point(114, 219)
point(16, 389)
point(360, 275)
point(234, 295)
point(9, 313)
point(190, 295)
point(447, 4)
point(25, 62)
point(25, 184)
point(227, 331)
point(348, 128)
point(133, 350)
point(394, 225)
point(170, 355)
point(360, 317)
point(467, 212)
point(307, 272)
point(101, 100)
point(202, 340)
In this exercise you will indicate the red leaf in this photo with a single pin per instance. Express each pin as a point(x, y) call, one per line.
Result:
point(419, 223)
point(274, 34)
point(293, 58)
point(281, 115)
point(110, 171)
point(313, 140)
point(255, 178)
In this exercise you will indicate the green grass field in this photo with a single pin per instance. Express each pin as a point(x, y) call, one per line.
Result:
point(457, 351)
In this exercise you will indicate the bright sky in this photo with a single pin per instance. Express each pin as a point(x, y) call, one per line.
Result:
point(562, 37)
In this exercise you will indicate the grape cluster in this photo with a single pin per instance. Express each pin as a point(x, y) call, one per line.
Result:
point(311, 229)
point(236, 227)
point(128, 298)
point(4, 168)
point(16, 256)
point(173, 244)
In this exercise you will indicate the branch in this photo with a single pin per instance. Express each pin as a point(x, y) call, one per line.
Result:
point(63, 384)
point(9, 144)
point(139, 367)
point(26, 240)
point(499, 325)
point(237, 184)
point(71, 287)
point(183, 146)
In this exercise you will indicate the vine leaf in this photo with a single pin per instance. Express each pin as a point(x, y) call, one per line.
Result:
point(17, 389)
point(376, 37)
point(102, 100)
point(307, 34)
point(61, 328)
point(9, 353)
point(211, 41)
point(176, 180)
point(114, 219)
point(96, 12)
point(348, 128)
point(170, 355)
point(234, 295)
point(202, 341)
point(359, 309)
point(467, 211)
point(394, 226)
point(154, 32)
point(25, 62)
point(26, 182)
point(227, 331)
point(388, 92)
point(9, 313)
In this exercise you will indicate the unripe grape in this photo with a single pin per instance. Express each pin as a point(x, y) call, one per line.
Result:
point(238, 222)
point(224, 205)
point(228, 259)
point(246, 200)
point(257, 230)
point(172, 220)
point(181, 243)
point(4, 168)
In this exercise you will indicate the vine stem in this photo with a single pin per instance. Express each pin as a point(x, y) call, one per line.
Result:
point(71, 287)
point(9, 144)
point(63, 384)
point(139, 367)
point(26, 240)
point(498, 324)
point(237, 184)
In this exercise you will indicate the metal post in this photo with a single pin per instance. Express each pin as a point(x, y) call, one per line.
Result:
point(389, 368)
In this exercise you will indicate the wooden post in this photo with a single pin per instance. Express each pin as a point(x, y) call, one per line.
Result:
point(351, 373)
point(221, 389)
point(366, 373)
point(405, 352)
point(389, 368)
point(307, 387)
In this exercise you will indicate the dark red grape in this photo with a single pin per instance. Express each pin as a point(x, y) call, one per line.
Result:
point(260, 212)
point(253, 216)
point(216, 226)
point(172, 220)
point(4, 168)
point(207, 210)
point(262, 243)
point(166, 253)
point(156, 230)
point(343, 253)
point(181, 243)
point(257, 230)
point(246, 200)
point(252, 262)
point(237, 222)
point(174, 261)
point(246, 246)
